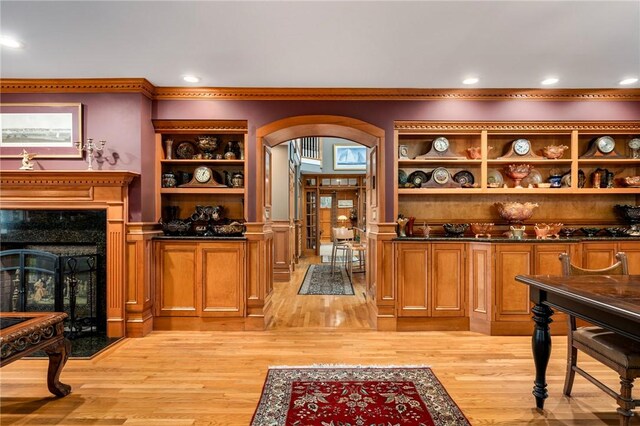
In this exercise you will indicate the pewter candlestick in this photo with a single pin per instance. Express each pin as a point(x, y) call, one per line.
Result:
point(91, 148)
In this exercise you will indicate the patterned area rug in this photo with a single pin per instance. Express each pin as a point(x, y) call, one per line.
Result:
point(339, 259)
point(320, 281)
point(355, 396)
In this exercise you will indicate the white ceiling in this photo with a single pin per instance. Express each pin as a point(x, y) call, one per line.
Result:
point(380, 44)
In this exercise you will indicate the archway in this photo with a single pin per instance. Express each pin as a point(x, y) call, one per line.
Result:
point(352, 129)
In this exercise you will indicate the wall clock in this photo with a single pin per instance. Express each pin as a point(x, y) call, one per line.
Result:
point(203, 177)
point(440, 148)
point(603, 146)
point(519, 148)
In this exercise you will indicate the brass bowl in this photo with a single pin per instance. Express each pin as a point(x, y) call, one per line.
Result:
point(514, 212)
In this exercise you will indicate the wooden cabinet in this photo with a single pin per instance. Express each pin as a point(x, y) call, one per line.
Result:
point(200, 279)
point(512, 297)
point(180, 154)
point(431, 279)
point(598, 255)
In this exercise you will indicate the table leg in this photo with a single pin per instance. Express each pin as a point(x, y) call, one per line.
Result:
point(58, 355)
point(541, 346)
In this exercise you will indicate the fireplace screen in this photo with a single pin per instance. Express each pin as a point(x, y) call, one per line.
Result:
point(37, 281)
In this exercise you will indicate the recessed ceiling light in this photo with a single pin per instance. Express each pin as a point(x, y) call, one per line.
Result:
point(191, 78)
point(470, 80)
point(10, 42)
point(549, 81)
point(628, 81)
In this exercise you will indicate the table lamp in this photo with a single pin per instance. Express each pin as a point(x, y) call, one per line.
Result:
point(342, 219)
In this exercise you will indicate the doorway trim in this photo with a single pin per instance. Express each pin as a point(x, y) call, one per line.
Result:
point(289, 128)
point(352, 129)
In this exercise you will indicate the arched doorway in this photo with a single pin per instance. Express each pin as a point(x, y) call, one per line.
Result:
point(348, 128)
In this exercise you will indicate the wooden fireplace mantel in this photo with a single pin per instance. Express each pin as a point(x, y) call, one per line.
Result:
point(81, 189)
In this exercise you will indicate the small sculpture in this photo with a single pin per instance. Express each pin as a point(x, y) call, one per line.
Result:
point(26, 160)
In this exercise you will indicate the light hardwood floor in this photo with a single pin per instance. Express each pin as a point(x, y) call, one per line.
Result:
point(215, 378)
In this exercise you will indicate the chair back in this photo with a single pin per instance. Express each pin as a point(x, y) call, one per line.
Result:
point(342, 234)
point(618, 268)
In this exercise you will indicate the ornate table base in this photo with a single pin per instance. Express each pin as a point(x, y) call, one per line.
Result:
point(24, 333)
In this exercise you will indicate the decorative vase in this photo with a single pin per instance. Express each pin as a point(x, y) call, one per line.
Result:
point(169, 180)
point(402, 223)
point(168, 149)
point(409, 227)
point(517, 172)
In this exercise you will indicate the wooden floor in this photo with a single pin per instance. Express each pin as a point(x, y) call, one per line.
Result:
point(215, 378)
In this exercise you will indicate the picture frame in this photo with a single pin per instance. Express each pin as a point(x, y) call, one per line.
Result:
point(349, 157)
point(345, 204)
point(46, 130)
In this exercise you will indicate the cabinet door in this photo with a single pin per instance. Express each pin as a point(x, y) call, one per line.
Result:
point(448, 280)
point(480, 272)
point(223, 279)
point(547, 258)
point(177, 289)
point(512, 297)
point(412, 279)
point(632, 250)
point(598, 255)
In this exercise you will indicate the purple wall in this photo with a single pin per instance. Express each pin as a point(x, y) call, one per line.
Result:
point(124, 120)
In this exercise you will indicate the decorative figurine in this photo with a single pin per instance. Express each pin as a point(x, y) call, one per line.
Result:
point(402, 223)
point(26, 160)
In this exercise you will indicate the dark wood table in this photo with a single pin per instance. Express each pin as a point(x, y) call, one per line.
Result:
point(22, 333)
point(612, 302)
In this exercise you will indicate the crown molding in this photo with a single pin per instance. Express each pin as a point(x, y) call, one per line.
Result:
point(407, 127)
point(199, 126)
point(141, 85)
point(82, 85)
point(364, 94)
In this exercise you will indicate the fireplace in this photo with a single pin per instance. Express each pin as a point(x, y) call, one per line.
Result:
point(82, 201)
point(54, 261)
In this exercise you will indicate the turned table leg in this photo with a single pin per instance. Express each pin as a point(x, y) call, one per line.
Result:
point(541, 346)
point(58, 355)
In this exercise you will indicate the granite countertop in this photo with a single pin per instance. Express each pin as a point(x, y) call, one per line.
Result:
point(530, 239)
point(198, 237)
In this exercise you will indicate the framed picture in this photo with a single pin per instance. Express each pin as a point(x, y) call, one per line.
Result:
point(345, 204)
point(48, 130)
point(351, 157)
point(325, 201)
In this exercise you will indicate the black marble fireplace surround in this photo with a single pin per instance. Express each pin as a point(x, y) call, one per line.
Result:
point(77, 238)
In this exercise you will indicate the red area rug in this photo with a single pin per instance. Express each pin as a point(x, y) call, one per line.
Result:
point(355, 396)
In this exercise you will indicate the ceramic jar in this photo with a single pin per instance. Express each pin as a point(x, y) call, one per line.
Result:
point(169, 180)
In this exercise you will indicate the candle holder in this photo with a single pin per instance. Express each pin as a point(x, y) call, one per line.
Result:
point(92, 149)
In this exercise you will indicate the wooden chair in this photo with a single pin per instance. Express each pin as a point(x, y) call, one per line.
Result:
point(341, 238)
point(616, 352)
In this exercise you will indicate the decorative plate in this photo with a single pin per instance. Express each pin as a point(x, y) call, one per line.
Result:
point(494, 178)
point(533, 178)
point(402, 177)
point(565, 182)
point(464, 177)
point(185, 151)
point(417, 178)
